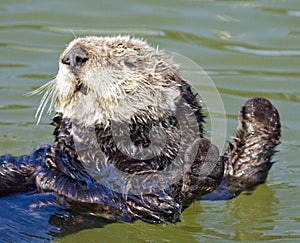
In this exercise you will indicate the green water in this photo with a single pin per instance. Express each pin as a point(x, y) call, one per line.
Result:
point(248, 48)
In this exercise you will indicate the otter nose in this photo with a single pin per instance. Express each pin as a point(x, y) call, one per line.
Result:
point(75, 58)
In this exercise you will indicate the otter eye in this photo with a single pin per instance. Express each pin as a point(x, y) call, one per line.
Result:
point(75, 58)
point(129, 64)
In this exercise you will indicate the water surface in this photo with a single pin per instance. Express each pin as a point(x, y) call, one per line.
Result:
point(248, 48)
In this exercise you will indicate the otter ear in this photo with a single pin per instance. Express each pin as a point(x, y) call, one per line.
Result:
point(132, 61)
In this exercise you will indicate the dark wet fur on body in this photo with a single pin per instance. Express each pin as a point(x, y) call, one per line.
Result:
point(57, 169)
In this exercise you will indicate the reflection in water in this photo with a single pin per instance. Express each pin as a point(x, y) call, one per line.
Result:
point(247, 217)
point(25, 217)
point(28, 217)
point(253, 213)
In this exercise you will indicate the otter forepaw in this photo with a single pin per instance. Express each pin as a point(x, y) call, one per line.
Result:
point(204, 170)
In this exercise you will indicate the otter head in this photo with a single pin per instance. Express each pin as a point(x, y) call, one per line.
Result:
point(101, 79)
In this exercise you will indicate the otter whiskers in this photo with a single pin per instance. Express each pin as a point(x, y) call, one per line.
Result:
point(49, 92)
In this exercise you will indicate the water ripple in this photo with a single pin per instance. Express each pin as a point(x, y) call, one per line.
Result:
point(292, 97)
point(264, 52)
point(14, 107)
point(223, 43)
point(96, 31)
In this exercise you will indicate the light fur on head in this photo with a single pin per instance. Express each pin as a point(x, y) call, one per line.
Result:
point(122, 77)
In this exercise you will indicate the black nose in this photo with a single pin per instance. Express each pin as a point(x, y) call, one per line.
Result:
point(75, 58)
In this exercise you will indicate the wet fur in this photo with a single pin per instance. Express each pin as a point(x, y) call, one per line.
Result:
point(72, 172)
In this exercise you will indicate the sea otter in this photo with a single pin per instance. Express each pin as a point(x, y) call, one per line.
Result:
point(129, 137)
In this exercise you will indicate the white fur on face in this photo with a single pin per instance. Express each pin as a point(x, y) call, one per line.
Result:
point(119, 80)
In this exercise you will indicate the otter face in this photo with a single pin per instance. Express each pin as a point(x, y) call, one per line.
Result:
point(112, 78)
